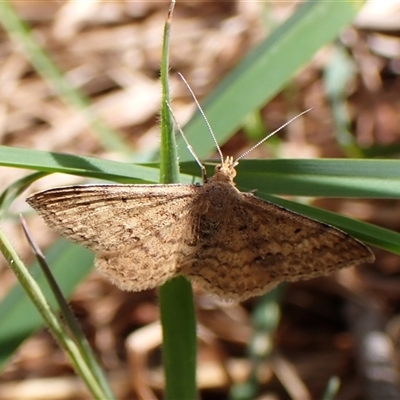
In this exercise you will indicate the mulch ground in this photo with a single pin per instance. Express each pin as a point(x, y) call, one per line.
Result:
point(111, 51)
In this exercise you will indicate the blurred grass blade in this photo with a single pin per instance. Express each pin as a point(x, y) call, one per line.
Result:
point(387, 150)
point(338, 75)
point(16, 188)
point(266, 70)
point(265, 320)
point(22, 36)
point(332, 389)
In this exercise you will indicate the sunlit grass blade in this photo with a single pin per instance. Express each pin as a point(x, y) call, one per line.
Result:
point(266, 70)
point(92, 167)
point(42, 305)
point(322, 177)
point(19, 318)
point(314, 177)
point(21, 34)
point(326, 177)
point(317, 177)
point(75, 332)
point(374, 235)
point(176, 296)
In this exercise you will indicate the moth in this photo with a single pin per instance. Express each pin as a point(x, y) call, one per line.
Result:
point(233, 244)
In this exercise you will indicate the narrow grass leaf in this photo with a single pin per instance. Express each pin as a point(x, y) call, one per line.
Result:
point(266, 70)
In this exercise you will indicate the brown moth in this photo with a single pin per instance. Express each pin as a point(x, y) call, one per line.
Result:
point(233, 244)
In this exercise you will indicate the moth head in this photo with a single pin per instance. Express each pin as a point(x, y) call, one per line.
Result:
point(226, 171)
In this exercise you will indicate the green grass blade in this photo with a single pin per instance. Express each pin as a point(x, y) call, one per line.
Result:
point(75, 332)
point(265, 320)
point(314, 177)
point(323, 177)
point(53, 322)
point(15, 189)
point(317, 177)
point(372, 234)
point(20, 33)
point(332, 389)
point(176, 296)
point(320, 177)
point(76, 165)
point(266, 70)
point(338, 75)
point(179, 339)
point(169, 166)
point(19, 319)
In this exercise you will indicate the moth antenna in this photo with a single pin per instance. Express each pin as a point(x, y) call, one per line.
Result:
point(204, 117)
point(189, 147)
point(271, 134)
